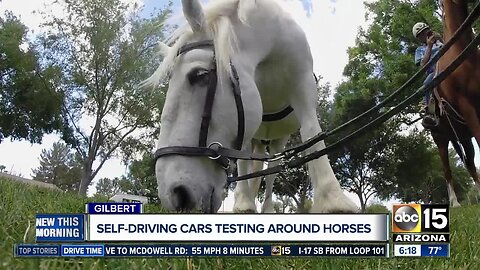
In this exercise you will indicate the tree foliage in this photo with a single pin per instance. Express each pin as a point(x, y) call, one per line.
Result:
point(59, 166)
point(30, 105)
point(104, 50)
point(420, 173)
point(108, 187)
point(140, 179)
point(294, 185)
point(386, 162)
point(365, 166)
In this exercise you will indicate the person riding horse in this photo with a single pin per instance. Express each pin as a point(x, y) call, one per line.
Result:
point(432, 42)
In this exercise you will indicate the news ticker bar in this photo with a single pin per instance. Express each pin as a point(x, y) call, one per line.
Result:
point(431, 250)
point(170, 250)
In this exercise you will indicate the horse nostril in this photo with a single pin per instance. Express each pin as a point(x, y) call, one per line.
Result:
point(182, 200)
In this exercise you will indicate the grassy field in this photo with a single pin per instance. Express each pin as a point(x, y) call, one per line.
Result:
point(19, 204)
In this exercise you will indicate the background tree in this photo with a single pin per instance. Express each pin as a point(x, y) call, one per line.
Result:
point(29, 103)
point(420, 173)
point(471, 197)
point(104, 50)
point(325, 103)
point(140, 179)
point(380, 62)
point(294, 183)
point(284, 204)
point(108, 187)
point(365, 166)
point(59, 166)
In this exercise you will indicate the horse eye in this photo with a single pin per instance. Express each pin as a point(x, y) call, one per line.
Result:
point(198, 75)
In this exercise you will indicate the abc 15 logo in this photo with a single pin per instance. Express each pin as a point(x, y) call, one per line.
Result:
point(415, 218)
point(280, 250)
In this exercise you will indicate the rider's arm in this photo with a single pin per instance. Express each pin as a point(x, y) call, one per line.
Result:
point(439, 38)
point(426, 56)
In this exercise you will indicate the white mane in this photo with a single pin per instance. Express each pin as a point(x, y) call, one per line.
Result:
point(218, 16)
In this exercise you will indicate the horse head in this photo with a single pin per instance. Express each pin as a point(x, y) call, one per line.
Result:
point(197, 116)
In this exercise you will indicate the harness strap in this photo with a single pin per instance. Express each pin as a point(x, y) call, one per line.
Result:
point(437, 95)
point(453, 129)
point(271, 117)
point(439, 99)
point(458, 117)
point(195, 45)
point(192, 151)
point(237, 94)
point(207, 109)
point(441, 104)
point(238, 154)
point(459, 149)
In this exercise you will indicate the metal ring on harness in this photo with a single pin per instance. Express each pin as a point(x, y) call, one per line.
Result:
point(210, 146)
point(219, 156)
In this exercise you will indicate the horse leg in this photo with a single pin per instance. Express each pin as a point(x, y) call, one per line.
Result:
point(267, 206)
point(244, 203)
point(470, 161)
point(254, 183)
point(244, 199)
point(469, 113)
point(443, 152)
point(328, 195)
point(276, 146)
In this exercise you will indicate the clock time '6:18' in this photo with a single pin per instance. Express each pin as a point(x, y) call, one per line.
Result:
point(407, 250)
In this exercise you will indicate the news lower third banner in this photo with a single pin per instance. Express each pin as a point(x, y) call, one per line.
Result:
point(201, 250)
point(238, 228)
point(418, 231)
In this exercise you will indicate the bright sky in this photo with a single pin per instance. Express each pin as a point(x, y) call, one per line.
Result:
point(330, 25)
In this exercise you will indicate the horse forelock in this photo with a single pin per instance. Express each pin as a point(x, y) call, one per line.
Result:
point(218, 16)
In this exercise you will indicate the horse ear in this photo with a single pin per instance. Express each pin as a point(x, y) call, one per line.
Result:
point(194, 14)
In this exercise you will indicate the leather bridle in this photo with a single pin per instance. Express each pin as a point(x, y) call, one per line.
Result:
point(214, 150)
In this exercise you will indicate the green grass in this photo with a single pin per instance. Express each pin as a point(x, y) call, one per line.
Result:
point(19, 203)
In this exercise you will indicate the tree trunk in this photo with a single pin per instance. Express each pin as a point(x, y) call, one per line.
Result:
point(362, 201)
point(303, 199)
point(85, 181)
point(363, 206)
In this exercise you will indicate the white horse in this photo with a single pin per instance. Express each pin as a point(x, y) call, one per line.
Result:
point(273, 62)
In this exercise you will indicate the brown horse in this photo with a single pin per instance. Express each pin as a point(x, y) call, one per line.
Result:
point(459, 95)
